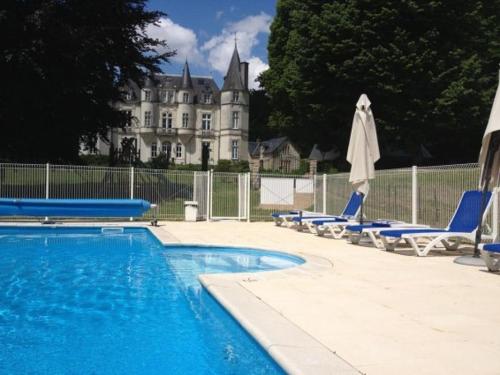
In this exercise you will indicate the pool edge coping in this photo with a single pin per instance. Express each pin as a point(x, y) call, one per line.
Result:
point(245, 307)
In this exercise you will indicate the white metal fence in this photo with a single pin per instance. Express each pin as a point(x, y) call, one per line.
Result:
point(420, 195)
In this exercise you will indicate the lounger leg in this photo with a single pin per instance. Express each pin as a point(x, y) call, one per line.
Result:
point(373, 239)
point(413, 243)
point(431, 245)
point(453, 246)
point(311, 227)
point(339, 233)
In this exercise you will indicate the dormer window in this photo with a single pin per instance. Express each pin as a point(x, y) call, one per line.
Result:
point(163, 95)
point(128, 95)
point(207, 98)
point(170, 96)
point(236, 96)
point(185, 97)
point(147, 95)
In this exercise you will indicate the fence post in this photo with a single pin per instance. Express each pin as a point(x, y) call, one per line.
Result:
point(248, 196)
point(209, 198)
point(324, 193)
point(194, 186)
point(131, 187)
point(314, 177)
point(47, 180)
point(414, 195)
point(47, 183)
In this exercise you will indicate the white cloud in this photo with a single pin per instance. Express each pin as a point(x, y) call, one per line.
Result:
point(219, 14)
point(178, 38)
point(256, 66)
point(216, 52)
point(220, 47)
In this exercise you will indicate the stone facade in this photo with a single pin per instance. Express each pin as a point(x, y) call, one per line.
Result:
point(277, 154)
point(177, 115)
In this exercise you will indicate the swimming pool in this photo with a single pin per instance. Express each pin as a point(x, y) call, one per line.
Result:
point(76, 300)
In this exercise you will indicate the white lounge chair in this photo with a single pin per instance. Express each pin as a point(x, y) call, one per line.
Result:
point(463, 226)
point(350, 212)
point(281, 218)
point(371, 230)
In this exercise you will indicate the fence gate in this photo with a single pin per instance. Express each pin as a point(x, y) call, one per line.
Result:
point(228, 196)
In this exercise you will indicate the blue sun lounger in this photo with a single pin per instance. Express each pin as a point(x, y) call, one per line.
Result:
point(299, 220)
point(371, 230)
point(349, 215)
point(287, 217)
point(463, 226)
point(491, 255)
point(74, 207)
point(350, 212)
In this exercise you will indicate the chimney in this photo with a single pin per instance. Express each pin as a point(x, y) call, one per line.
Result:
point(244, 74)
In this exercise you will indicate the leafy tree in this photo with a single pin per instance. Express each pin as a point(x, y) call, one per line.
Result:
point(62, 65)
point(429, 68)
point(260, 110)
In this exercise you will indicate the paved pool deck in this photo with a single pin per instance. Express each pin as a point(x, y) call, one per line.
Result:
point(374, 311)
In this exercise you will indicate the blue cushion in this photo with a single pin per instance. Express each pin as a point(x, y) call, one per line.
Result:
point(400, 232)
point(359, 228)
point(336, 219)
point(492, 247)
point(73, 207)
point(280, 214)
point(353, 205)
point(298, 219)
point(466, 219)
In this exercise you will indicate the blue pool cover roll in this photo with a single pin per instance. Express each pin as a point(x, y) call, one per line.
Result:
point(74, 207)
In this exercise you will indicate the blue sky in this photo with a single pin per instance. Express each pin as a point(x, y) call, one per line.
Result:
point(204, 31)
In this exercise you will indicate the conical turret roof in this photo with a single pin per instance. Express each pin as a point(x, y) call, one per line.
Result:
point(187, 83)
point(232, 80)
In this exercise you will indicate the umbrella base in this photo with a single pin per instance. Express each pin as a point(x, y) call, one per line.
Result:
point(469, 260)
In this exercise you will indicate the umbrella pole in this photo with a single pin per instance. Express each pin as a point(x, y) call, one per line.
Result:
point(361, 209)
point(485, 181)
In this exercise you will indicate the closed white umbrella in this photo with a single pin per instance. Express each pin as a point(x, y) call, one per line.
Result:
point(489, 159)
point(363, 150)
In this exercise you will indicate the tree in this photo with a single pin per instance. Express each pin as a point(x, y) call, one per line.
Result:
point(62, 66)
point(429, 67)
point(260, 111)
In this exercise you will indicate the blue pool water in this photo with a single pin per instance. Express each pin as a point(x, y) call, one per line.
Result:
point(78, 301)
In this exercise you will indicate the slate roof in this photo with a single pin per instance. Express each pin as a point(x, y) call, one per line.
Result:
point(187, 83)
point(232, 80)
point(200, 85)
point(270, 145)
point(317, 154)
